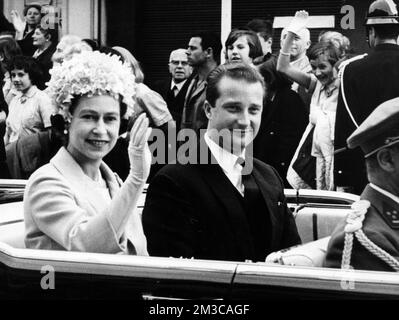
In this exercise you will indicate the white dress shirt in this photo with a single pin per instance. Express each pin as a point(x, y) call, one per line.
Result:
point(178, 86)
point(228, 162)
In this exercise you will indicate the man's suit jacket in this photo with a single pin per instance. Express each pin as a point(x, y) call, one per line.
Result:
point(193, 112)
point(192, 211)
point(367, 82)
point(65, 211)
point(175, 104)
point(378, 229)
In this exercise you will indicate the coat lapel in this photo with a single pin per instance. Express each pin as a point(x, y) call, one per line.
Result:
point(199, 90)
point(216, 179)
point(194, 92)
point(72, 172)
point(268, 192)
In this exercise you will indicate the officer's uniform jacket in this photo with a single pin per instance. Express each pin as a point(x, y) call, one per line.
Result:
point(381, 226)
point(366, 83)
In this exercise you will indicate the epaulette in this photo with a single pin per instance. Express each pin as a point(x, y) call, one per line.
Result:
point(343, 65)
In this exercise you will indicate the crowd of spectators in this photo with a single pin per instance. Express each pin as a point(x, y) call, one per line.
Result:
point(177, 103)
point(295, 135)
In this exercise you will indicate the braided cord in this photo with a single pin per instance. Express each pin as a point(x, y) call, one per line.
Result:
point(376, 250)
point(346, 254)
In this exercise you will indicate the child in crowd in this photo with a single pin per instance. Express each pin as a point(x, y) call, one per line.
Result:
point(242, 46)
point(31, 108)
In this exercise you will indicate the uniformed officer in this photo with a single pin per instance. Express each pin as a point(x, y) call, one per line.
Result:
point(366, 82)
point(369, 238)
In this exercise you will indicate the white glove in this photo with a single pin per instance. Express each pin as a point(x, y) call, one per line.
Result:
point(299, 22)
point(138, 150)
point(17, 21)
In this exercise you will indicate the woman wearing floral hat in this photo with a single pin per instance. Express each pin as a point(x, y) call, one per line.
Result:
point(76, 202)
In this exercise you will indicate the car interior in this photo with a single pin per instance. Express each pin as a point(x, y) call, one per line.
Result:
point(316, 216)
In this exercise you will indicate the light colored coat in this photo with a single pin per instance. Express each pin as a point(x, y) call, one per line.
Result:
point(64, 210)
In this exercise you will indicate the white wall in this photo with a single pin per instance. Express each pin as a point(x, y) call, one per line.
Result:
point(78, 17)
point(225, 25)
point(13, 5)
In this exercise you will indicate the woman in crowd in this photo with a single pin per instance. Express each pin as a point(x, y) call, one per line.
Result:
point(4, 172)
point(26, 28)
point(147, 101)
point(9, 49)
point(65, 42)
point(45, 40)
point(31, 108)
point(30, 152)
point(76, 202)
point(242, 46)
point(339, 41)
point(324, 85)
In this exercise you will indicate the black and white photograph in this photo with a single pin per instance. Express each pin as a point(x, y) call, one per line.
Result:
point(199, 158)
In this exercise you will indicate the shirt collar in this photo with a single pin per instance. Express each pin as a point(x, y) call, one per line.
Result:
point(329, 89)
point(178, 85)
point(225, 159)
point(29, 94)
point(385, 193)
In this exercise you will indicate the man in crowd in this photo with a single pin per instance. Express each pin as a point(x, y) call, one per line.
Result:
point(264, 30)
point(369, 238)
point(300, 60)
point(298, 51)
point(174, 90)
point(366, 82)
point(221, 209)
point(203, 55)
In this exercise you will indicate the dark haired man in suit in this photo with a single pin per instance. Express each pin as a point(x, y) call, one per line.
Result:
point(222, 204)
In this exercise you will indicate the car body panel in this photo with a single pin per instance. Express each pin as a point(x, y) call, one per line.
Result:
point(80, 275)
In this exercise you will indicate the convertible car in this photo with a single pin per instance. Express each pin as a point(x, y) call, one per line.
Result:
point(295, 273)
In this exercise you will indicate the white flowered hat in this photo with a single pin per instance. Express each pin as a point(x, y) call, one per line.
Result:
point(90, 74)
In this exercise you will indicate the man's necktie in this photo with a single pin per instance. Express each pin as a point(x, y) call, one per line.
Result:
point(175, 90)
point(251, 189)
